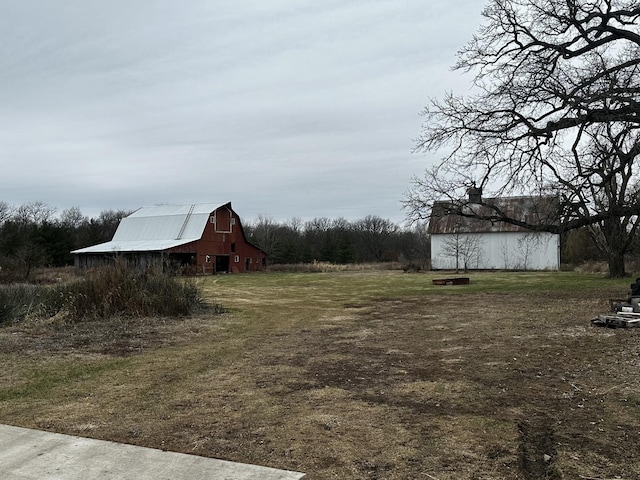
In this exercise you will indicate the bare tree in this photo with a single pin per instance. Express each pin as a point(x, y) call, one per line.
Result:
point(72, 218)
point(421, 245)
point(263, 233)
point(318, 224)
point(295, 224)
point(507, 255)
point(527, 245)
point(465, 248)
point(29, 255)
point(374, 233)
point(472, 251)
point(6, 212)
point(35, 213)
point(108, 222)
point(554, 111)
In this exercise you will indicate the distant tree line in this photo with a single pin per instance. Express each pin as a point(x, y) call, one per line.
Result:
point(370, 239)
point(374, 239)
point(33, 235)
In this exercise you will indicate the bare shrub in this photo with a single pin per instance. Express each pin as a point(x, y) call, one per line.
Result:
point(103, 293)
point(117, 290)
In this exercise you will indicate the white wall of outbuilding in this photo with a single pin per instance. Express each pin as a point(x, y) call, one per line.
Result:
point(499, 251)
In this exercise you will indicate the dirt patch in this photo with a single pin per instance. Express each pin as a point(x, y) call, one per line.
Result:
point(119, 337)
point(474, 386)
point(538, 450)
point(509, 392)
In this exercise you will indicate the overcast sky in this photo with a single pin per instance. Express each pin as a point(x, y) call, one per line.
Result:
point(287, 108)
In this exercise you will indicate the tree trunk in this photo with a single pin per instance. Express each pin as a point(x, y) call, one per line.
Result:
point(616, 238)
point(616, 265)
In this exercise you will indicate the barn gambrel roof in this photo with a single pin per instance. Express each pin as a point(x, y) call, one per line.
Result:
point(529, 209)
point(158, 228)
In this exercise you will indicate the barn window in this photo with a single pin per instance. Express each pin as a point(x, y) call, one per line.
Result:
point(233, 248)
point(236, 258)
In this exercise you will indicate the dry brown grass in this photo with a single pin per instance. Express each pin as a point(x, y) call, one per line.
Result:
point(326, 267)
point(353, 375)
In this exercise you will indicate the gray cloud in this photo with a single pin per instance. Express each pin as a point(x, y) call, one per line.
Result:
point(284, 108)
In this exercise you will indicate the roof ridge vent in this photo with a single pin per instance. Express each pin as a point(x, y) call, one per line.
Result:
point(186, 220)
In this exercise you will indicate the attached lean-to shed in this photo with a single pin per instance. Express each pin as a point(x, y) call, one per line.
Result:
point(460, 241)
point(204, 238)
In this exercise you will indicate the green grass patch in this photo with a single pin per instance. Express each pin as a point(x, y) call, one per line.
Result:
point(42, 381)
point(349, 286)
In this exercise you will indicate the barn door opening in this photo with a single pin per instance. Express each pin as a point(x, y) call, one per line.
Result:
point(222, 263)
point(247, 264)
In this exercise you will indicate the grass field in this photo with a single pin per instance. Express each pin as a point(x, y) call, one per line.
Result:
point(352, 375)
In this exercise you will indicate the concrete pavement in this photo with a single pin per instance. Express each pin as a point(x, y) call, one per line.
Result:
point(27, 454)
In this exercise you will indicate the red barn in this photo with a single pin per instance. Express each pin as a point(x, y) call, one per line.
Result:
point(204, 238)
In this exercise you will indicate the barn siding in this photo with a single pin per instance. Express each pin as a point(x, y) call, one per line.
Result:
point(223, 236)
point(140, 261)
point(501, 251)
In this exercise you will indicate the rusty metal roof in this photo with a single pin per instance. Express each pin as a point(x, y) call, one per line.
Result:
point(532, 210)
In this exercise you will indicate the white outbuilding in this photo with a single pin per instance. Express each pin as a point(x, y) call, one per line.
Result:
point(464, 242)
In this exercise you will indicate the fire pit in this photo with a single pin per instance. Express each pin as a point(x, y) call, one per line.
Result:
point(451, 281)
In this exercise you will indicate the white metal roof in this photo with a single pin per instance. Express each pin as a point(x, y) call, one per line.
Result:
point(157, 228)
